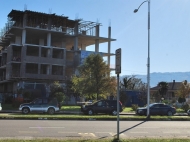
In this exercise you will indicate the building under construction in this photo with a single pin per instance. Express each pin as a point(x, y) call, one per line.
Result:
point(39, 48)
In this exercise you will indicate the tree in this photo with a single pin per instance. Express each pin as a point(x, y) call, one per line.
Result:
point(57, 91)
point(133, 83)
point(126, 82)
point(163, 88)
point(70, 91)
point(181, 100)
point(183, 91)
point(94, 78)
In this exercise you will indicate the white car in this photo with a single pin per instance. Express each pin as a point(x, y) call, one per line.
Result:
point(0, 107)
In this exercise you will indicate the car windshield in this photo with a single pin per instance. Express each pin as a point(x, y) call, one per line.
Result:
point(36, 101)
point(94, 102)
point(150, 105)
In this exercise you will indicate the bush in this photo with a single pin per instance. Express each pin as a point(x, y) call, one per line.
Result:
point(134, 107)
point(185, 107)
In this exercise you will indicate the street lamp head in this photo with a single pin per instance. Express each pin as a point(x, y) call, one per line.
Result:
point(135, 10)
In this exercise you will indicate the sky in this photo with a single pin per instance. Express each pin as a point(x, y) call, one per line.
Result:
point(169, 29)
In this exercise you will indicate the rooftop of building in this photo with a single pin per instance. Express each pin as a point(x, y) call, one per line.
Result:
point(171, 86)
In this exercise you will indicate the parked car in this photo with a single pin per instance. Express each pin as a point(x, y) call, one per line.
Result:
point(49, 105)
point(157, 109)
point(102, 106)
point(188, 112)
point(0, 107)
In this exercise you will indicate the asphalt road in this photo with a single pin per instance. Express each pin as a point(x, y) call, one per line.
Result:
point(29, 129)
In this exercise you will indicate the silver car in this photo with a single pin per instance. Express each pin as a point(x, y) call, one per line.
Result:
point(40, 105)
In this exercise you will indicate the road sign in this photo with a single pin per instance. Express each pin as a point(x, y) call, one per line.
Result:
point(118, 61)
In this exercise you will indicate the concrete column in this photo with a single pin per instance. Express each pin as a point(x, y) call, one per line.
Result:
point(49, 23)
point(97, 40)
point(76, 36)
point(24, 20)
point(23, 36)
point(64, 72)
point(109, 44)
point(49, 53)
point(48, 70)
point(40, 51)
point(49, 39)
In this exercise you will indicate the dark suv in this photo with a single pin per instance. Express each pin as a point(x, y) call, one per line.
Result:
point(49, 105)
point(102, 106)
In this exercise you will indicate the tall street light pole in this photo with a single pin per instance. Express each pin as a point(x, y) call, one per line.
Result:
point(148, 59)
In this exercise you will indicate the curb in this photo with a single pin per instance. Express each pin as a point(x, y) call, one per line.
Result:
point(76, 112)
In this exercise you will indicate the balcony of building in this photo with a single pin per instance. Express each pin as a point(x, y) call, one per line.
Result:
point(46, 55)
point(43, 71)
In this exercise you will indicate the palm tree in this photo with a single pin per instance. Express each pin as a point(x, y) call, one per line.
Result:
point(163, 88)
point(126, 82)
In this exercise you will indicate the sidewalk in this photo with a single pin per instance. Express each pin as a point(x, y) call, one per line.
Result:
point(61, 112)
point(77, 112)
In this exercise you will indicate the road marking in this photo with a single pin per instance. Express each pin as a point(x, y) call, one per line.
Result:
point(147, 127)
point(23, 137)
point(46, 127)
point(87, 134)
point(102, 132)
point(170, 132)
point(138, 132)
point(28, 132)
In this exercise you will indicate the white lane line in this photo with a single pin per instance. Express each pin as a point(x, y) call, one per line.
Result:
point(46, 127)
point(28, 132)
point(139, 132)
point(147, 128)
point(171, 132)
point(102, 132)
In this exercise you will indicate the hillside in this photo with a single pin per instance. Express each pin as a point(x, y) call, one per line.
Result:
point(167, 76)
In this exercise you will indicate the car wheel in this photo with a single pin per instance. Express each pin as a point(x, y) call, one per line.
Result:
point(25, 110)
point(169, 113)
point(51, 111)
point(114, 112)
point(90, 112)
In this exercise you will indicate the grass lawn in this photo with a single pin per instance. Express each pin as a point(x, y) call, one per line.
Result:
point(128, 109)
point(71, 108)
